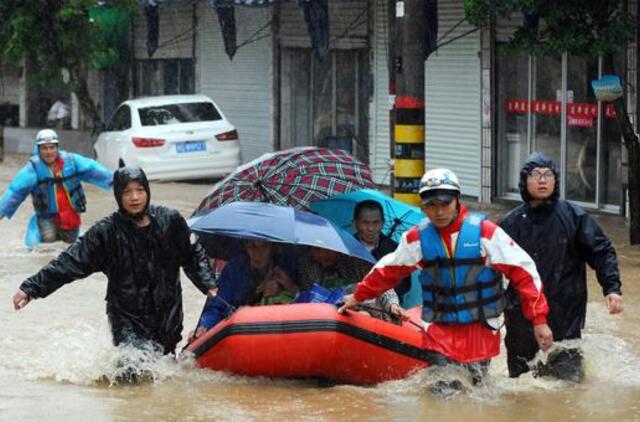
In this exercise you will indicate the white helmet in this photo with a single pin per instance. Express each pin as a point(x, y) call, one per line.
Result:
point(441, 184)
point(46, 136)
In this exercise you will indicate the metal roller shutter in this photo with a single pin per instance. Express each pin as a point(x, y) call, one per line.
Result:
point(175, 35)
point(452, 96)
point(242, 88)
point(379, 127)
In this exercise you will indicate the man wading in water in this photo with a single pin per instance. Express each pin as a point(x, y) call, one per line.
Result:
point(53, 178)
point(562, 239)
point(140, 248)
point(462, 257)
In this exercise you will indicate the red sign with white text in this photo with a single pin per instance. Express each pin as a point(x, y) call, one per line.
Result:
point(554, 108)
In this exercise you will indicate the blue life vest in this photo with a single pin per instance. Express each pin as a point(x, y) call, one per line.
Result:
point(458, 289)
point(44, 195)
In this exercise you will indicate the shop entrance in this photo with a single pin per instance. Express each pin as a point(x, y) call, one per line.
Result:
point(546, 104)
point(324, 102)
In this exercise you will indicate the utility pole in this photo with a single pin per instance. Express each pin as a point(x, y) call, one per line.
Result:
point(409, 136)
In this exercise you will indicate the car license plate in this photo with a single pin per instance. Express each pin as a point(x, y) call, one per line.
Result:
point(191, 146)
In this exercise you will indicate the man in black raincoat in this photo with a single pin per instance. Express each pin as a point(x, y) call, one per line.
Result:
point(140, 248)
point(561, 238)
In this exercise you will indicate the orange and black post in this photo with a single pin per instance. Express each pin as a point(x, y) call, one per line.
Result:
point(408, 151)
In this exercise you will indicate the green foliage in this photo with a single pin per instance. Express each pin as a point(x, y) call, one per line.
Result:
point(580, 27)
point(55, 33)
point(59, 35)
point(112, 36)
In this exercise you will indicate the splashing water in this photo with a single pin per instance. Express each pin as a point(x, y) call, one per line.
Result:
point(58, 353)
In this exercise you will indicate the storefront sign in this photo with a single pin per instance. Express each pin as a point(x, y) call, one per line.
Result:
point(580, 121)
point(554, 108)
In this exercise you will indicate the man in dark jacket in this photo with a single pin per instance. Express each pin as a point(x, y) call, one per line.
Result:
point(561, 238)
point(368, 219)
point(140, 248)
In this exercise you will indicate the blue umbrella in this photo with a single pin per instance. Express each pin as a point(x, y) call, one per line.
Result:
point(273, 223)
point(398, 216)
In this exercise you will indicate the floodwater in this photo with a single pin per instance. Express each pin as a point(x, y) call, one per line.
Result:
point(57, 359)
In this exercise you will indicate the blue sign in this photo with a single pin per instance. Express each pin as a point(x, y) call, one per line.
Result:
point(608, 88)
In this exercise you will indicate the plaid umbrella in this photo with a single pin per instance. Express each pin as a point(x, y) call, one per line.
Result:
point(294, 177)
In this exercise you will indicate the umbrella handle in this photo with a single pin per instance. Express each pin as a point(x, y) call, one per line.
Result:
point(396, 223)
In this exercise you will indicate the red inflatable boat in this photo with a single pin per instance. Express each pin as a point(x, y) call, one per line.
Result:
point(311, 340)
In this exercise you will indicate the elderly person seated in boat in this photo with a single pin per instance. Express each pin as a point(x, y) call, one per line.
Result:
point(332, 269)
point(260, 276)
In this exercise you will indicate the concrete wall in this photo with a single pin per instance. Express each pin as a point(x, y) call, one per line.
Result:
point(20, 140)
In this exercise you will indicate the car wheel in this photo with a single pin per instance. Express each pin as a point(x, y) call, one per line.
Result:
point(120, 163)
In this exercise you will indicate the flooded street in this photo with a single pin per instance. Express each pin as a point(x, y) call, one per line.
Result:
point(57, 358)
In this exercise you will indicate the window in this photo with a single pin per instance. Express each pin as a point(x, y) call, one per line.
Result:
point(121, 120)
point(513, 139)
point(582, 126)
point(164, 77)
point(535, 94)
point(171, 114)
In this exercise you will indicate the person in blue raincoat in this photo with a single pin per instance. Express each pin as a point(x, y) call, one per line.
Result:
point(53, 178)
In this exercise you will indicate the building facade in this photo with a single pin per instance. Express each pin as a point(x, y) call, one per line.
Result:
point(485, 111)
point(545, 103)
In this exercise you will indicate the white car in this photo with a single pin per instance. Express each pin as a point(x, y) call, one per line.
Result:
point(172, 137)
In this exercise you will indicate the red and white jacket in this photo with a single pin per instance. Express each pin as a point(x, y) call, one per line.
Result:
point(463, 342)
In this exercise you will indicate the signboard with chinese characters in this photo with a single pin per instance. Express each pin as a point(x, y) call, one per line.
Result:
point(554, 108)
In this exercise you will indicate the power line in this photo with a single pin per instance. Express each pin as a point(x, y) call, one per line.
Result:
point(255, 37)
point(451, 29)
point(354, 24)
point(471, 31)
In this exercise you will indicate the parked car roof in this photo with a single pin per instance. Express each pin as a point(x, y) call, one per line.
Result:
point(164, 99)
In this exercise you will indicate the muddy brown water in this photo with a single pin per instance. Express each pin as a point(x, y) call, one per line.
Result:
point(57, 358)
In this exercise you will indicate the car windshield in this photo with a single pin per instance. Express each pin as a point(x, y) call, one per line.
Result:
point(171, 114)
